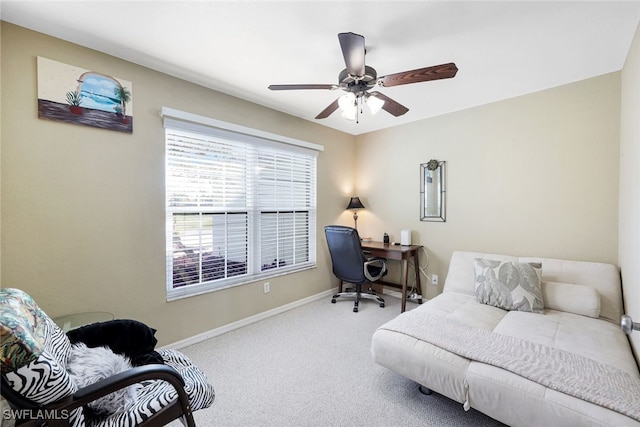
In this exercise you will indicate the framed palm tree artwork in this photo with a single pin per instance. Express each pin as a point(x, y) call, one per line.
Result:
point(74, 95)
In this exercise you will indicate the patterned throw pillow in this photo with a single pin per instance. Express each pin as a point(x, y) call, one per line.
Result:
point(509, 285)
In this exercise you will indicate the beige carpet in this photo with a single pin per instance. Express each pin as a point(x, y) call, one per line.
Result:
point(311, 366)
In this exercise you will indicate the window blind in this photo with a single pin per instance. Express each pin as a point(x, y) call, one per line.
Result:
point(240, 205)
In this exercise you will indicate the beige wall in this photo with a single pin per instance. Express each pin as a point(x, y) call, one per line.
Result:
point(82, 222)
point(534, 175)
point(83, 208)
point(630, 186)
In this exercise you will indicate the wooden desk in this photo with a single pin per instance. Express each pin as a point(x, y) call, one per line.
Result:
point(400, 253)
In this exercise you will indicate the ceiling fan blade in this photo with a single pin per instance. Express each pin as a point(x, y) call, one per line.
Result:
point(327, 111)
point(390, 106)
point(444, 71)
point(297, 87)
point(353, 51)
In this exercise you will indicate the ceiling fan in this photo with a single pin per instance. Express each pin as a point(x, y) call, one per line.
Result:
point(358, 79)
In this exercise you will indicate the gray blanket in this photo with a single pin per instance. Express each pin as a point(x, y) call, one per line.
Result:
point(563, 371)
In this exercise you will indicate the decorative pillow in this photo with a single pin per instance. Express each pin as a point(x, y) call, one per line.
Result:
point(578, 299)
point(509, 285)
point(90, 365)
point(27, 332)
point(34, 351)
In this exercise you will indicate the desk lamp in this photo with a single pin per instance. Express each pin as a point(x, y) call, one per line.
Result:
point(354, 205)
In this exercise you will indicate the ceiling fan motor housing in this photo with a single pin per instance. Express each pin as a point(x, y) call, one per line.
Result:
point(358, 85)
point(370, 75)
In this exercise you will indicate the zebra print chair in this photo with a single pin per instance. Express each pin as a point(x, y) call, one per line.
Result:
point(34, 354)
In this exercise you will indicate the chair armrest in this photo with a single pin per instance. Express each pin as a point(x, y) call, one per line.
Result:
point(103, 387)
point(121, 380)
point(126, 378)
point(380, 263)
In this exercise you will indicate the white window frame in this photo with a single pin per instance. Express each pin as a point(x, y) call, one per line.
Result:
point(180, 121)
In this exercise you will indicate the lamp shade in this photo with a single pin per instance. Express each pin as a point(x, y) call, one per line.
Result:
point(347, 101)
point(355, 203)
point(349, 114)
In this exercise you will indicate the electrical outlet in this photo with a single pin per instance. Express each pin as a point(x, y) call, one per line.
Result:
point(434, 279)
point(267, 288)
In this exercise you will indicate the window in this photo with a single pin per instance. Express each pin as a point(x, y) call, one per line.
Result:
point(240, 204)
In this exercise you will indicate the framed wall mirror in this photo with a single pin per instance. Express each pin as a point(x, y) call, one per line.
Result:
point(433, 191)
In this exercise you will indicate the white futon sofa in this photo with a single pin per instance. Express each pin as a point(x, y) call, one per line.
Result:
point(573, 365)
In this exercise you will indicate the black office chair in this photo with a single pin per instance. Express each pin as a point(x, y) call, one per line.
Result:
point(351, 265)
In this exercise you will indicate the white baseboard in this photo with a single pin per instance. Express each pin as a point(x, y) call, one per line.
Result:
point(247, 321)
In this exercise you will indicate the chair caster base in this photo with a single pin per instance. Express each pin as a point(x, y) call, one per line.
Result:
point(424, 390)
point(358, 297)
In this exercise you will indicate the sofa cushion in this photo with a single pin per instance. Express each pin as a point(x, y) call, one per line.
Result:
point(577, 299)
point(425, 363)
point(597, 339)
point(517, 401)
point(509, 285)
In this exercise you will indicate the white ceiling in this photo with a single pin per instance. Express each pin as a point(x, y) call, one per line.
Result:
point(502, 48)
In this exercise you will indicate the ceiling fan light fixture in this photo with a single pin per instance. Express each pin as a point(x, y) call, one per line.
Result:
point(347, 101)
point(349, 114)
point(347, 104)
point(374, 103)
